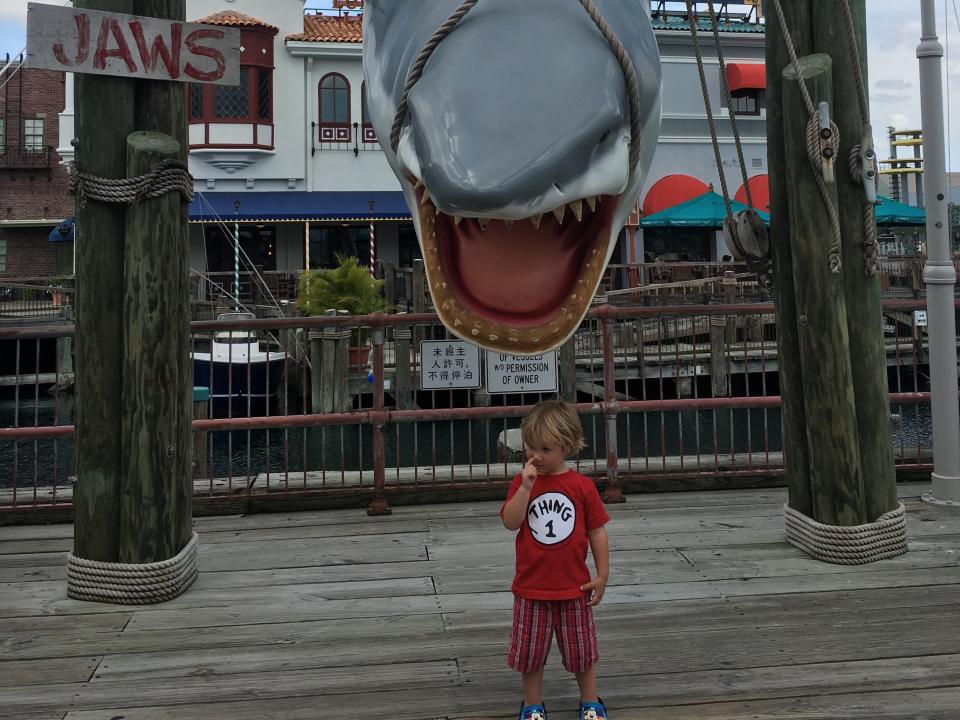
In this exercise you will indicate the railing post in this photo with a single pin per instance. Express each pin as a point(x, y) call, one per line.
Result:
point(613, 493)
point(379, 504)
point(403, 381)
point(567, 360)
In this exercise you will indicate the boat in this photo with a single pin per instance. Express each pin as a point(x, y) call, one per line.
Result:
point(233, 364)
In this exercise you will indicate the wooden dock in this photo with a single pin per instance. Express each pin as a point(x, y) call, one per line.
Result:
point(709, 615)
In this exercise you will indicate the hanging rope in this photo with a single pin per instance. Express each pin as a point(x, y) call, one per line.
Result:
point(630, 74)
point(886, 537)
point(725, 82)
point(815, 143)
point(133, 583)
point(166, 176)
point(871, 262)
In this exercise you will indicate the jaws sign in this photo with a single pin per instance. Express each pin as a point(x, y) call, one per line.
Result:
point(103, 43)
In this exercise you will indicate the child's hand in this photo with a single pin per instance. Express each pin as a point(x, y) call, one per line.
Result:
point(528, 475)
point(597, 586)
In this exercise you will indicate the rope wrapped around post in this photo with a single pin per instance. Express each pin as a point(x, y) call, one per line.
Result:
point(166, 176)
point(885, 537)
point(133, 583)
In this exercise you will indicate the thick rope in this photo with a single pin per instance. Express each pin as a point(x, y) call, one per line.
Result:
point(629, 71)
point(166, 176)
point(886, 537)
point(729, 96)
point(871, 263)
point(692, 14)
point(835, 261)
point(131, 583)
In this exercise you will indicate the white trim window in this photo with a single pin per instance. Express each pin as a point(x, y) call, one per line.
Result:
point(3, 255)
point(3, 135)
point(33, 134)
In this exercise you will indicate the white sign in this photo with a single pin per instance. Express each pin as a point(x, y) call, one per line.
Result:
point(920, 318)
point(103, 43)
point(446, 364)
point(521, 373)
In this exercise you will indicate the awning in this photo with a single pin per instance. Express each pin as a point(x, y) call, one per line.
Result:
point(706, 211)
point(746, 76)
point(62, 232)
point(672, 190)
point(291, 206)
point(891, 212)
point(759, 192)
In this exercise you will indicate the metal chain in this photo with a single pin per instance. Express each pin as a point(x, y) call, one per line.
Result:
point(166, 176)
point(629, 71)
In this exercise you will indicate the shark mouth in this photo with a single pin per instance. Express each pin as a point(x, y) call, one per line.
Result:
point(515, 286)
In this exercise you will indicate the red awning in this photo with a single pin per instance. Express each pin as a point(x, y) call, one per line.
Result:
point(759, 193)
point(747, 76)
point(672, 190)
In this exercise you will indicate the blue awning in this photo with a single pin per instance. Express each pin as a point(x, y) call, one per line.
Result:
point(293, 206)
point(62, 232)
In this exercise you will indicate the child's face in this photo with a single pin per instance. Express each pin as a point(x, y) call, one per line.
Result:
point(548, 457)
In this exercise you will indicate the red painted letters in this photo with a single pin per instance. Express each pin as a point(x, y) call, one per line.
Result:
point(122, 51)
point(205, 51)
point(170, 56)
point(83, 43)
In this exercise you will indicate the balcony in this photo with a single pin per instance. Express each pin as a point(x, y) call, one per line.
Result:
point(20, 158)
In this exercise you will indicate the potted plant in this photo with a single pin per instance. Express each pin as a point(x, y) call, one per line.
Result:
point(348, 287)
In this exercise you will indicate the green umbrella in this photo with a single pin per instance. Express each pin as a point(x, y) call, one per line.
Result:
point(706, 211)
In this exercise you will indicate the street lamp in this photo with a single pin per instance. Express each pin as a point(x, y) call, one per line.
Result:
point(236, 257)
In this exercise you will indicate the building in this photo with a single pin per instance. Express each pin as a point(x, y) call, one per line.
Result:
point(34, 201)
point(289, 159)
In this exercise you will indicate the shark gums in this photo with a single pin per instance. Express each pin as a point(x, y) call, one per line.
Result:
point(515, 153)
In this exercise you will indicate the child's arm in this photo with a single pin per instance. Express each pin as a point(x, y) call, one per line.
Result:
point(516, 507)
point(600, 547)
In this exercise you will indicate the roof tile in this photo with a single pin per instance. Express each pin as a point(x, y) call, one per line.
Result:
point(331, 28)
point(235, 19)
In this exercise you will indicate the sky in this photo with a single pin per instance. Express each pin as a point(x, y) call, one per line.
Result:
point(893, 28)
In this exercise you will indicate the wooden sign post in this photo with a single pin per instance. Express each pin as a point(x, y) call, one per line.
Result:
point(133, 541)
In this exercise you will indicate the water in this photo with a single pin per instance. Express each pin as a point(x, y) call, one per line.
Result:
point(242, 454)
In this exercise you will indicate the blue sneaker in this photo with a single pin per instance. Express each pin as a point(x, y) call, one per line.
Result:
point(532, 712)
point(593, 711)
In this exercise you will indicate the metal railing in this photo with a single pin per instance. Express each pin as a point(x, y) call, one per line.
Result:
point(685, 396)
point(13, 157)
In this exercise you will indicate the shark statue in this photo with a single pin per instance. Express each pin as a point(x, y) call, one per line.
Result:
point(520, 150)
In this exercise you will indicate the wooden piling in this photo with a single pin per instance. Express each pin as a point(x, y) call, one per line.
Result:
point(156, 479)
point(836, 479)
point(403, 378)
point(862, 293)
point(104, 118)
point(788, 342)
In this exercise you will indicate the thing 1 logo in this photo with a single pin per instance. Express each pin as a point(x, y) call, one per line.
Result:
point(551, 518)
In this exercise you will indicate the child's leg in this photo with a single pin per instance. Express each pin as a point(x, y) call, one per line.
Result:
point(587, 680)
point(533, 687)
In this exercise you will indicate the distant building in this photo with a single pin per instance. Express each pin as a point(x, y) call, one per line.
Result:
point(33, 184)
point(291, 157)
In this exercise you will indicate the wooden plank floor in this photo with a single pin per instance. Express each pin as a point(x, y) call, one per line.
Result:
point(709, 615)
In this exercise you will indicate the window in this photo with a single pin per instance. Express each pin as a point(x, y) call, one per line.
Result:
point(369, 134)
point(334, 108)
point(33, 134)
point(746, 102)
point(232, 101)
point(196, 102)
point(328, 241)
point(3, 255)
point(3, 135)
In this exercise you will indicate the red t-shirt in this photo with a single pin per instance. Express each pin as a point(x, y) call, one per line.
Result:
point(552, 543)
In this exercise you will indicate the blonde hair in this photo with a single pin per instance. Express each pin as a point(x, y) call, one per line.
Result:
point(556, 422)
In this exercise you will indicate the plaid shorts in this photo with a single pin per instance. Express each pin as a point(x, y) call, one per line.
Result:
point(534, 622)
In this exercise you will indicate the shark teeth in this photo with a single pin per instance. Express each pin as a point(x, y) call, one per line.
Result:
point(576, 208)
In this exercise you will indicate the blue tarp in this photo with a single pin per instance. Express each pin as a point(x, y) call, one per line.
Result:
point(292, 206)
point(62, 232)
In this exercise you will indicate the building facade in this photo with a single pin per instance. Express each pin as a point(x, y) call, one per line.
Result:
point(34, 200)
point(288, 160)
